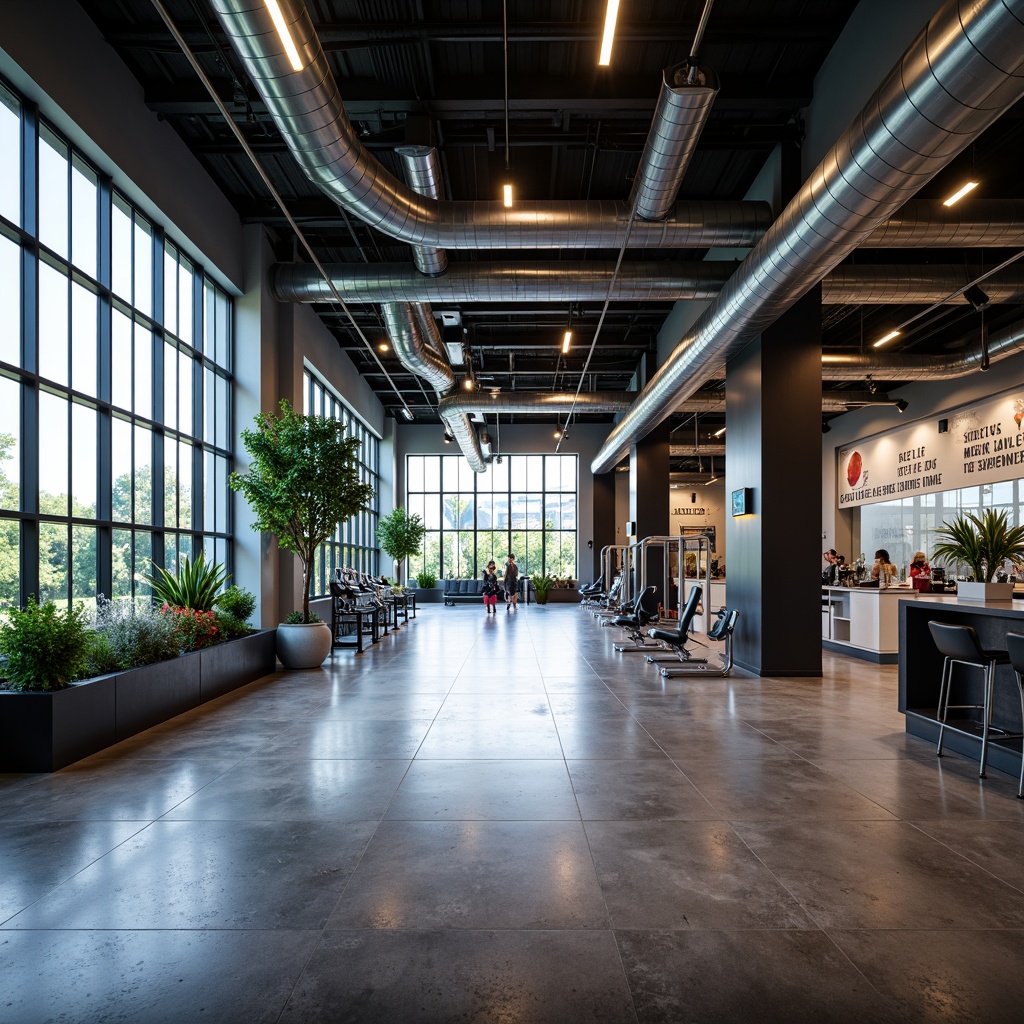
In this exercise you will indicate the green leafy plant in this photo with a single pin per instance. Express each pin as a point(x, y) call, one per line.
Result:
point(237, 602)
point(303, 480)
point(192, 629)
point(426, 579)
point(984, 543)
point(130, 637)
point(46, 648)
point(541, 587)
point(296, 618)
point(400, 534)
point(194, 586)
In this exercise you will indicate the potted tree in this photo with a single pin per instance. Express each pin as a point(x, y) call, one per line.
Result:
point(983, 543)
point(400, 535)
point(302, 481)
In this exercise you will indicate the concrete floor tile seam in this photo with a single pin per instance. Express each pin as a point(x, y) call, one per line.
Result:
point(975, 860)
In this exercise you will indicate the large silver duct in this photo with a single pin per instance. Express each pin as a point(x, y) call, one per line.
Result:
point(930, 224)
point(896, 367)
point(679, 118)
point(423, 173)
point(637, 281)
point(956, 78)
point(308, 111)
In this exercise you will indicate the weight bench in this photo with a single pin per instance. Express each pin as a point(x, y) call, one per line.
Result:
point(723, 629)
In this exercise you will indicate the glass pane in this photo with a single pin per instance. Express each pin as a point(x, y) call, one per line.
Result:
point(143, 563)
point(10, 577)
point(517, 472)
point(121, 470)
point(121, 249)
point(121, 360)
point(185, 486)
point(10, 449)
point(221, 438)
point(143, 475)
point(10, 296)
point(83, 463)
point(221, 483)
point(83, 565)
point(209, 405)
point(185, 301)
point(170, 484)
point(121, 563)
point(170, 386)
point(552, 512)
point(53, 454)
point(143, 371)
point(83, 339)
point(568, 502)
point(209, 323)
point(53, 563)
point(84, 216)
point(185, 363)
point(414, 472)
point(432, 473)
point(534, 472)
point(534, 512)
point(53, 324)
point(223, 354)
point(170, 290)
point(143, 266)
point(10, 157)
point(53, 192)
point(451, 472)
point(209, 494)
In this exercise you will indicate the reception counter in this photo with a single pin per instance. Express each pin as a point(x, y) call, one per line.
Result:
point(920, 672)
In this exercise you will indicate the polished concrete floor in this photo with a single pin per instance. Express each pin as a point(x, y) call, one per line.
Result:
point(501, 820)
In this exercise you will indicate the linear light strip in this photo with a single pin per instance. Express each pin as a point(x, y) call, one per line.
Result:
point(180, 40)
point(609, 33)
point(286, 37)
point(960, 193)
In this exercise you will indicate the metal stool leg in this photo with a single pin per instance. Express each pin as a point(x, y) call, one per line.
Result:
point(943, 709)
point(990, 687)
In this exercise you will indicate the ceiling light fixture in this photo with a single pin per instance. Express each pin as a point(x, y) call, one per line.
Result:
point(468, 383)
point(558, 433)
point(506, 194)
point(506, 189)
point(714, 478)
point(286, 37)
point(407, 413)
point(887, 337)
point(901, 406)
point(382, 347)
point(718, 433)
point(448, 438)
point(566, 340)
point(976, 297)
point(960, 193)
point(608, 38)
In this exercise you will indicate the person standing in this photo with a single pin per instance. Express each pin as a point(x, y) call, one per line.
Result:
point(828, 575)
point(511, 583)
point(491, 588)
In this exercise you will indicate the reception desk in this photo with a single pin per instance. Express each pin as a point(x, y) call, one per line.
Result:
point(862, 622)
point(920, 672)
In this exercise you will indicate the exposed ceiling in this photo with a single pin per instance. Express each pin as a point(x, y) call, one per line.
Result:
point(415, 71)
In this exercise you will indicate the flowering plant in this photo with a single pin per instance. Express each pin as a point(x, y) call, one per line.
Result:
point(192, 628)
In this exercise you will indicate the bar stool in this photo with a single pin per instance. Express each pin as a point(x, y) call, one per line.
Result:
point(1015, 648)
point(959, 646)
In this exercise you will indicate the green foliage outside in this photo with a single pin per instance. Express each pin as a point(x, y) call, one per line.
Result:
point(194, 586)
point(984, 543)
point(302, 481)
point(45, 648)
point(400, 535)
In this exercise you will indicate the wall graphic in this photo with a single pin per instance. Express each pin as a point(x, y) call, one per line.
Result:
point(983, 444)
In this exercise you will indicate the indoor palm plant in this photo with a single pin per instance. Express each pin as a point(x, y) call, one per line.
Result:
point(983, 543)
point(541, 587)
point(303, 480)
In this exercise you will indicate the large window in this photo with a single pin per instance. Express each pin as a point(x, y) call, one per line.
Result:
point(115, 386)
point(526, 504)
point(354, 543)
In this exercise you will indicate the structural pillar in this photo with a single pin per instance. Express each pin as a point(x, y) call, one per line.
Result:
point(604, 520)
point(773, 447)
point(649, 500)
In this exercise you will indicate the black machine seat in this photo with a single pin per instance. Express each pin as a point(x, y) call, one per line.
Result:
point(635, 620)
point(724, 625)
point(677, 637)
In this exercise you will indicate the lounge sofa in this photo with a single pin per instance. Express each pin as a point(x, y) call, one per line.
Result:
point(470, 590)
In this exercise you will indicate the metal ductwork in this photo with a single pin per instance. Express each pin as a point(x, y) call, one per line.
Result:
point(1000, 345)
point(535, 401)
point(417, 343)
point(930, 224)
point(307, 108)
point(423, 173)
point(687, 94)
point(956, 78)
point(831, 401)
point(637, 281)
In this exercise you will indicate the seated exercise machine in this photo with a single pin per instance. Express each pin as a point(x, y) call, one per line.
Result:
point(722, 629)
point(591, 591)
point(633, 622)
point(674, 641)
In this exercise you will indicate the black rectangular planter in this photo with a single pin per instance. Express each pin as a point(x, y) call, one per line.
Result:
point(42, 732)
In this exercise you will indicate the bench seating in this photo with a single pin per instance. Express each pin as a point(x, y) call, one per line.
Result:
point(470, 590)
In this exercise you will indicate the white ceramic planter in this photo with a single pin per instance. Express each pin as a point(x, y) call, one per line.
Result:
point(303, 644)
point(984, 591)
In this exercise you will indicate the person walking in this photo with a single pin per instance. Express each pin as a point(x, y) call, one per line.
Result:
point(491, 588)
point(511, 583)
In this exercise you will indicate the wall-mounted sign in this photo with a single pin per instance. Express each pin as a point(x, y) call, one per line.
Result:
point(689, 510)
point(742, 502)
point(983, 444)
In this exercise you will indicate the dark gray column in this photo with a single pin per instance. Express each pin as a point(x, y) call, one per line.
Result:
point(649, 497)
point(604, 520)
point(773, 446)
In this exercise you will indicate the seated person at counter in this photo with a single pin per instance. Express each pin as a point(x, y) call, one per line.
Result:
point(829, 574)
point(883, 570)
point(919, 566)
